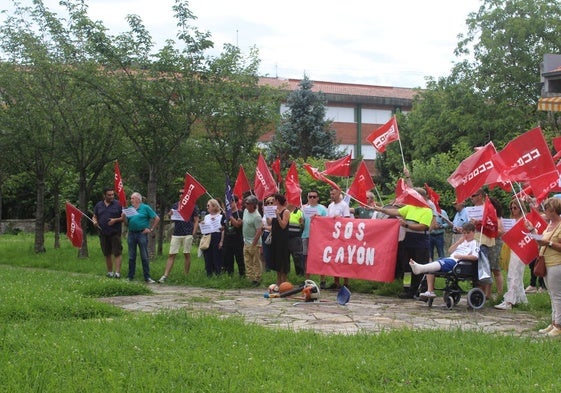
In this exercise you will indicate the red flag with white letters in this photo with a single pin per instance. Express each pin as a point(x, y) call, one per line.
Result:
point(354, 248)
point(119, 188)
point(472, 173)
point(264, 184)
point(74, 230)
point(293, 190)
point(518, 239)
point(384, 135)
point(276, 167)
point(361, 184)
point(192, 190)
point(525, 157)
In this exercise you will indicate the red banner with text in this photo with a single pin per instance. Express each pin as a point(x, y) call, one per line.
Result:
point(353, 248)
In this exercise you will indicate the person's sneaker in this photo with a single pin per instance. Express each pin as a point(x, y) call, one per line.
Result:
point(546, 330)
point(150, 281)
point(427, 295)
point(110, 274)
point(117, 275)
point(162, 279)
point(503, 306)
point(530, 289)
point(542, 290)
point(554, 332)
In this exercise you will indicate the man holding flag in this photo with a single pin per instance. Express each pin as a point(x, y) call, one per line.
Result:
point(108, 217)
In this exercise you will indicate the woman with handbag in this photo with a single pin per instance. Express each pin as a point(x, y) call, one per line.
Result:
point(213, 254)
point(550, 248)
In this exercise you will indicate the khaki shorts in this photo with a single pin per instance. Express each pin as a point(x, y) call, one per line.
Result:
point(181, 241)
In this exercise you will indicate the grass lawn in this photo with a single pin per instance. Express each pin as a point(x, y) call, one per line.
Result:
point(56, 337)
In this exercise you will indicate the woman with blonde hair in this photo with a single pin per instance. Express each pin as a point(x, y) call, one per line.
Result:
point(213, 254)
point(550, 247)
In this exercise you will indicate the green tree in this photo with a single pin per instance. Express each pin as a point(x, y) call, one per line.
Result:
point(236, 110)
point(304, 132)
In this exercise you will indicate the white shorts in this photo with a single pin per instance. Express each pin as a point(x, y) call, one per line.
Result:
point(181, 241)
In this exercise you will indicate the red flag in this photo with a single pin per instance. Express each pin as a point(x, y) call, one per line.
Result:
point(557, 145)
point(520, 242)
point(264, 184)
point(361, 184)
point(119, 188)
point(192, 190)
point(242, 184)
point(344, 247)
point(276, 167)
point(525, 157)
point(408, 196)
point(340, 167)
point(74, 225)
point(490, 222)
point(293, 190)
point(544, 184)
point(317, 175)
point(384, 135)
point(472, 173)
point(434, 197)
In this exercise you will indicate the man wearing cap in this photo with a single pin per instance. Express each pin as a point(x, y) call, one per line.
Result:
point(252, 224)
point(183, 233)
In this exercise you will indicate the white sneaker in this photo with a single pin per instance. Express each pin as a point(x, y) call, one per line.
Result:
point(530, 289)
point(427, 295)
point(117, 275)
point(504, 306)
point(162, 279)
point(150, 281)
point(110, 274)
point(555, 331)
point(546, 330)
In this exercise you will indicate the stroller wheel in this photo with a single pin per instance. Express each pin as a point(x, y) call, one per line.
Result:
point(449, 301)
point(456, 297)
point(476, 298)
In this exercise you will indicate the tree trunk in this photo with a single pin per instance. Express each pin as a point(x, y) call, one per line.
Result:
point(56, 227)
point(151, 200)
point(82, 197)
point(40, 216)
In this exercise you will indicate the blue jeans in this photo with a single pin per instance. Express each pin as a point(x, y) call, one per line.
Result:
point(437, 240)
point(141, 240)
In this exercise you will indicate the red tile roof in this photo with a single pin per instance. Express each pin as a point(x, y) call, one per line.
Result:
point(343, 88)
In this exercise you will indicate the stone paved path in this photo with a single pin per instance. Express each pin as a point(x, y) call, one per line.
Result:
point(364, 313)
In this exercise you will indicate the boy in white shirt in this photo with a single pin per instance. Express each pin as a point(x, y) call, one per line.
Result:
point(466, 249)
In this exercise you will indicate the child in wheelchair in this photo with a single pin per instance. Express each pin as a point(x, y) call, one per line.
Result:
point(465, 249)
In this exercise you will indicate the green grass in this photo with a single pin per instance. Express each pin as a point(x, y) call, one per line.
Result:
point(56, 337)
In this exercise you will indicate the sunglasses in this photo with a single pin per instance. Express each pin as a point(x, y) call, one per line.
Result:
point(269, 203)
point(312, 196)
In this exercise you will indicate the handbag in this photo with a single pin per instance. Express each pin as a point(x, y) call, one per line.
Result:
point(269, 239)
point(539, 267)
point(204, 244)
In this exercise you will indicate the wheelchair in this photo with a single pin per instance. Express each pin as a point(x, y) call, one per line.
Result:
point(452, 291)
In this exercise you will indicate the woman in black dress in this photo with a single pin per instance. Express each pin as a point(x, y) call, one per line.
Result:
point(280, 256)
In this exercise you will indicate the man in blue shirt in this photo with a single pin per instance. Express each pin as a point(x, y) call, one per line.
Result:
point(460, 218)
point(139, 228)
point(108, 216)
